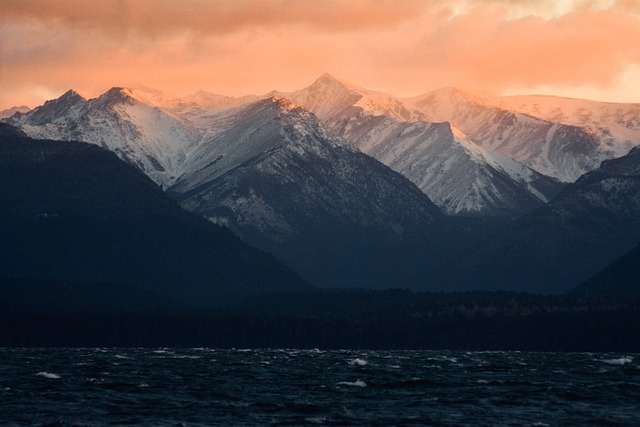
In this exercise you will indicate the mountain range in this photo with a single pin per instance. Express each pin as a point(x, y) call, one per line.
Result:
point(286, 184)
point(515, 156)
point(556, 150)
point(352, 187)
point(274, 174)
point(457, 174)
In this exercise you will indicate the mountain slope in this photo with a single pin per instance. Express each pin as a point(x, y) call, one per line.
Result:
point(72, 211)
point(589, 225)
point(460, 177)
point(135, 125)
point(286, 184)
point(553, 149)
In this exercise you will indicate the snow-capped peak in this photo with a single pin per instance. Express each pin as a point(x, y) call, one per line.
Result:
point(329, 97)
point(326, 96)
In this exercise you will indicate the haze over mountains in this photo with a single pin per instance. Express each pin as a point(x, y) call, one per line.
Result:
point(349, 186)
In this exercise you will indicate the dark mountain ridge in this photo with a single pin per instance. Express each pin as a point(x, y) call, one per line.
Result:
point(558, 246)
point(73, 211)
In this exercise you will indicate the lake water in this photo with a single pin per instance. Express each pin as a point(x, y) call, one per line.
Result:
point(198, 387)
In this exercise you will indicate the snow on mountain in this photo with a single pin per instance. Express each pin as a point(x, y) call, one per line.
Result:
point(130, 123)
point(288, 185)
point(497, 147)
point(459, 176)
point(616, 125)
point(561, 151)
point(431, 155)
point(329, 97)
point(242, 134)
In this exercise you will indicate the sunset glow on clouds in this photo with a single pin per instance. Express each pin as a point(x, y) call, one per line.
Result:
point(576, 48)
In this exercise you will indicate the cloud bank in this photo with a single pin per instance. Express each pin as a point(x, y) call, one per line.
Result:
point(576, 48)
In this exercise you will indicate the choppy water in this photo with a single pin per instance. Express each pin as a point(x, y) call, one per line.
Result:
point(169, 387)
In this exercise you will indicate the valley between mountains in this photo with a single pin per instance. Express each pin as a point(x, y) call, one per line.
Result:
point(345, 186)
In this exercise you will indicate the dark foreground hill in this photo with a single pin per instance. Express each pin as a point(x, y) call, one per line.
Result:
point(72, 211)
point(621, 278)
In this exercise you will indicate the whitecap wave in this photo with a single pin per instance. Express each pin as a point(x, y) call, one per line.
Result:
point(49, 375)
point(358, 362)
point(356, 383)
point(618, 361)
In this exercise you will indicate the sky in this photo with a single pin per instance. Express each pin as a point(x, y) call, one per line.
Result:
point(575, 48)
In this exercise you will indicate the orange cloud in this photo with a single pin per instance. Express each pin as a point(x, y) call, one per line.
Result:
point(484, 48)
point(156, 17)
point(239, 47)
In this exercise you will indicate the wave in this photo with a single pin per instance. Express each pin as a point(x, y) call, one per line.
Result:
point(356, 383)
point(618, 361)
point(358, 362)
point(48, 375)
